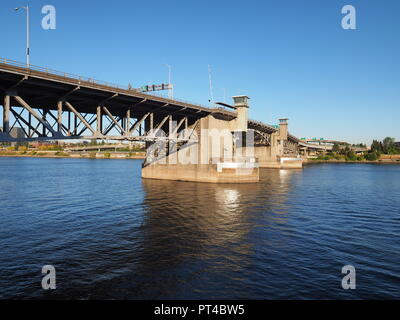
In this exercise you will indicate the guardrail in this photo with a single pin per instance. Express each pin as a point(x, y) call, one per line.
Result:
point(69, 77)
point(65, 75)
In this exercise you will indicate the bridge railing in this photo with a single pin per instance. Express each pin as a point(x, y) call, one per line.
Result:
point(64, 75)
point(76, 79)
point(165, 96)
point(23, 67)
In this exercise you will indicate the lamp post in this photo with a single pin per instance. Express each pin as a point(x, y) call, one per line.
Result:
point(27, 33)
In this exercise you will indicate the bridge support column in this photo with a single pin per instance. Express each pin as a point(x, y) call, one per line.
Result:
point(59, 116)
point(151, 122)
point(127, 121)
point(99, 120)
point(282, 153)
point(6, 114)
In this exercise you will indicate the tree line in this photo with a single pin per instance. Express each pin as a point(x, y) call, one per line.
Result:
point(386, 146)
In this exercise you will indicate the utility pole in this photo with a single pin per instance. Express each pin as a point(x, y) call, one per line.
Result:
point(27, 34)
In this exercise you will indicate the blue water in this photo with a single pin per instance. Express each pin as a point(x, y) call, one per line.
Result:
point(110, 234)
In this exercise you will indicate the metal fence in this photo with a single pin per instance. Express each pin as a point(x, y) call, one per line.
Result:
point(69, 77)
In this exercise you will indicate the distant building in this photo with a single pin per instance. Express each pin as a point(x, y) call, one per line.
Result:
point(397, 144)
point(17, 133)
point(37, 144)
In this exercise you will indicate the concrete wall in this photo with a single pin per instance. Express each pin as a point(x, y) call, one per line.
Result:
point(215, 158)
point(210, 160)
point(242, 118)
point(199, 173)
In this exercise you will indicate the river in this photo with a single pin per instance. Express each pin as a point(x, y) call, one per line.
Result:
point(111, 235)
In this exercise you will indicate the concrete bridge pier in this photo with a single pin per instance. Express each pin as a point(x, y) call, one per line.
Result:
point(211, 151)
point(282, 151)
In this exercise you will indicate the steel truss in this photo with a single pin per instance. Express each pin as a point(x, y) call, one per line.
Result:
point(65, 122)
point(290, 148)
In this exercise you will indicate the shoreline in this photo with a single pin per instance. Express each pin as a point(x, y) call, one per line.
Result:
point(81, 156)
point(142, 157)
point(352, 162)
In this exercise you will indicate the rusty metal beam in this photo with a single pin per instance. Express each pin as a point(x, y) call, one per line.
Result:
point(36, 115)
point(113, 119)
point(77, 114)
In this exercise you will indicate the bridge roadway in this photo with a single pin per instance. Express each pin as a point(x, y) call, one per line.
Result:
point(310, 147)
point(303, 144)
point(49, 104)
point(322, 141)
point(99, 147)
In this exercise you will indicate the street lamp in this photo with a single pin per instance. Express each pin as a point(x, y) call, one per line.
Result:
point(27, 33)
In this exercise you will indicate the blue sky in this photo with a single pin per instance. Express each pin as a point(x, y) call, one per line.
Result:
point(291, 56)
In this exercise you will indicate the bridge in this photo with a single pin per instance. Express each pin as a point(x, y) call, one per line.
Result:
point(312, 148)
point(52, 105)
point(57, 105)
point(99, 147)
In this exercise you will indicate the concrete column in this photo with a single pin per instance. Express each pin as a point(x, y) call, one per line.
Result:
point(99, 122)
point(148, 127)
point(127, 120)
point(283, 129)
point(151, 121)
point(6, 114)
point(242, 118)
point(242, 110)
point(59, 116)
point(170, 125)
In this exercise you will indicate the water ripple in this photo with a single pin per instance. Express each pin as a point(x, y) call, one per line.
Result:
point(111, 235)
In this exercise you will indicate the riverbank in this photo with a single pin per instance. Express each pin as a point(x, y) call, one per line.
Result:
point(381, 161)
point(75, 155)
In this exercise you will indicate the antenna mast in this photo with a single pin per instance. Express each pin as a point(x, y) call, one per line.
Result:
point(211, 89)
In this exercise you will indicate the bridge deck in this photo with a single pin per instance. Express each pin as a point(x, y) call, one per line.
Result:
point(46, 87)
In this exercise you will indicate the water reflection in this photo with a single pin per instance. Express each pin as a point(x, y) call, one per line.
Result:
point(203, 229)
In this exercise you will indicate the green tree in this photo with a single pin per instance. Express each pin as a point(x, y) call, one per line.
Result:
point(335, 148)
point(371, 156)
point(351, 156)
point(388, 145)
point(345, 151)
point(376, 146)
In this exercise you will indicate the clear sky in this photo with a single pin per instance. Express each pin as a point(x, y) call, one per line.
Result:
point(291, 57)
